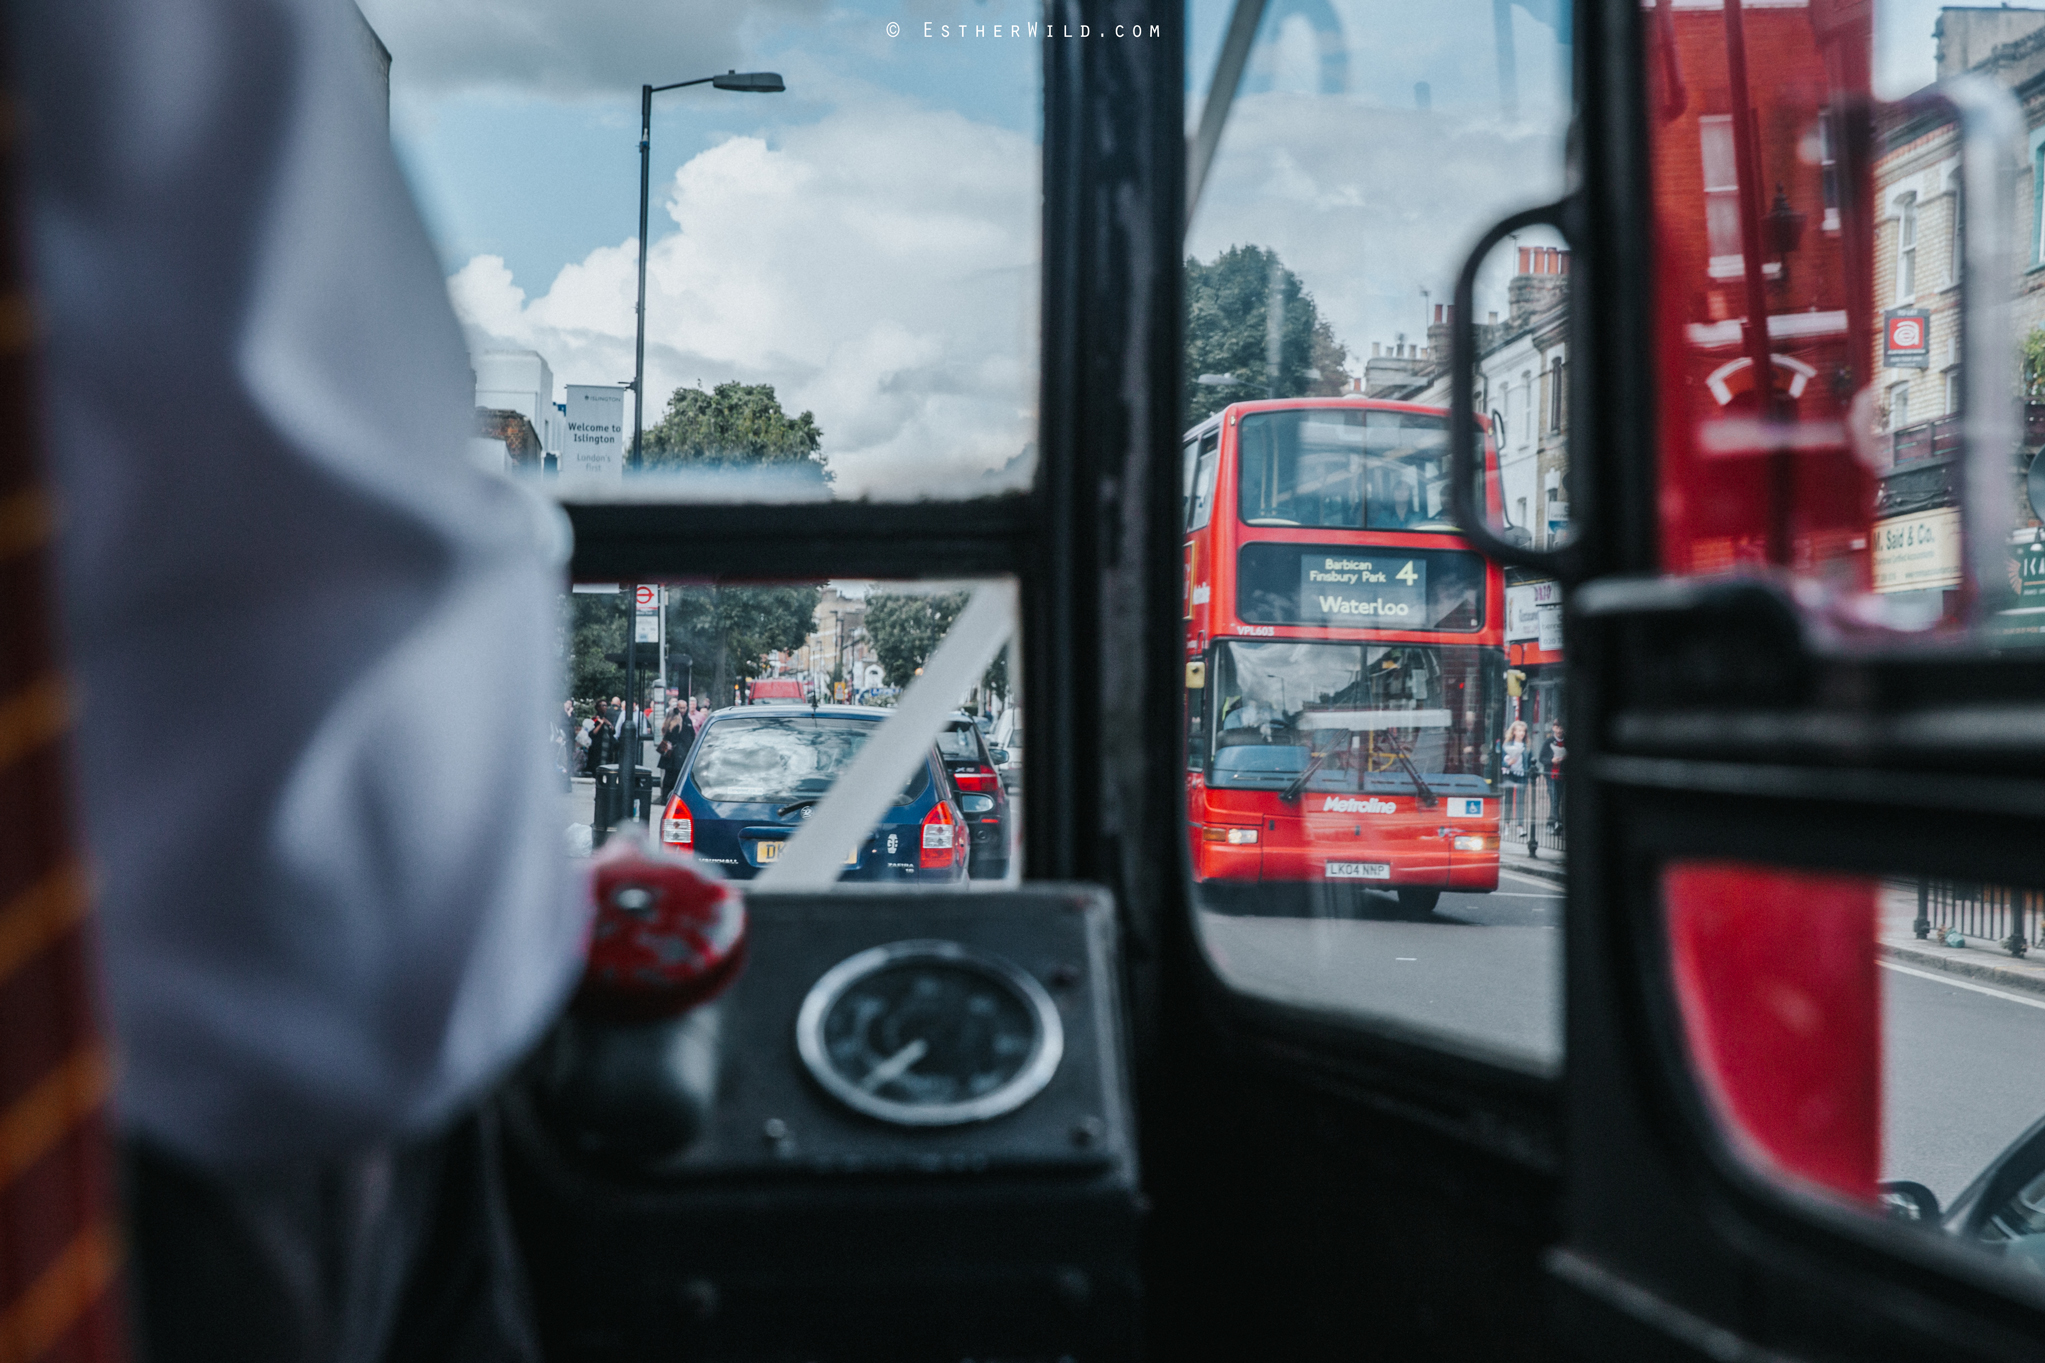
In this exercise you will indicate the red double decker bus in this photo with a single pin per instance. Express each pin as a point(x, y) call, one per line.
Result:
point(1344, 656)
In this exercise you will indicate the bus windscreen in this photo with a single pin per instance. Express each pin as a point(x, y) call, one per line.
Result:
point(1357, 718)
point(1359, 587)
point(1345, 469)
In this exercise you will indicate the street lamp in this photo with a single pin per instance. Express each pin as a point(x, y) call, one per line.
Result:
point(744, 82)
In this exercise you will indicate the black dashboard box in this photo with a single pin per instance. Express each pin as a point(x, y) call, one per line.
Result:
point(794, 1227)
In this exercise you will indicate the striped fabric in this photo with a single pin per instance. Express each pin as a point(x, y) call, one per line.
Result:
point(60, 1246)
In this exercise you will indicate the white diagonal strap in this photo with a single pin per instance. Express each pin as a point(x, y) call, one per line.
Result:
point(815, 856)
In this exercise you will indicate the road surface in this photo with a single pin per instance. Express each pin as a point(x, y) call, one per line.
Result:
point(1483, 972)
point(1961, 1074)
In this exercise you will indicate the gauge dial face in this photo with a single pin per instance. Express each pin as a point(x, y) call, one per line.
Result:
point(929, 1033)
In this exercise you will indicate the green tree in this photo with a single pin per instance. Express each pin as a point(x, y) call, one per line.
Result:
point(905, 630)
point(728, 631)
point(1228, 333)
point(2033, 361)
point(734, 425)
point(596, 627)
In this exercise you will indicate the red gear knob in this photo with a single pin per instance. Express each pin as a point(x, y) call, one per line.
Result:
point(669, 933)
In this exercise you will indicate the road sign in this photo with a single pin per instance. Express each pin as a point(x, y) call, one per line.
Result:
point(648, 598)
point(596, 432)
point(1906, 338)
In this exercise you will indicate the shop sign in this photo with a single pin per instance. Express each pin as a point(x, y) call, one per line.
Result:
point(2027, 570)
point(1906, 338)
point(1551, 628)
point(1523, 606)
point(1918, 551)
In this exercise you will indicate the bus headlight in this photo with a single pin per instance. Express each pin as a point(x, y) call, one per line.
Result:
point(1476, 844)
point(1238, 837)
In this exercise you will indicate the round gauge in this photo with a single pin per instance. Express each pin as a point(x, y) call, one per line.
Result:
point(929, 1033)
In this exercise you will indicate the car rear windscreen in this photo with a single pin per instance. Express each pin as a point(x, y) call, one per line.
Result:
point(745, 759)
point(958, 744)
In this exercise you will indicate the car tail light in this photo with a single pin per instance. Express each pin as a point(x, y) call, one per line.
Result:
point(1240, 837)
point(939, 835)
point(677, 829)
point(980, 780)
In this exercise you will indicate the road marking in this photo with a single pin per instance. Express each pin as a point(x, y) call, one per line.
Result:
point(1944, 978)
point(1405, 958)
point(1517, 894)
point(1531, 880)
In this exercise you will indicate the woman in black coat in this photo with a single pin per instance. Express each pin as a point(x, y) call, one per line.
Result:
point(677, 737)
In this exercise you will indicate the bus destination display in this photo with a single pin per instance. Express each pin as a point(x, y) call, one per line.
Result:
point(1359, 587)
point(1362, 589)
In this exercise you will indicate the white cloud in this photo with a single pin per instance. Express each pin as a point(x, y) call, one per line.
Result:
point(561, 46)
point(1369, 205)
point(879, 267)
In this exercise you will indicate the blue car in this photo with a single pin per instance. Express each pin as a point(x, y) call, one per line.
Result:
point(758, 771)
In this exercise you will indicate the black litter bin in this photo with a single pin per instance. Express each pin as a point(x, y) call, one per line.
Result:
point(646, 780)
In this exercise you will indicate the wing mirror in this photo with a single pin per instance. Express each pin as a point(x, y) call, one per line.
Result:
point(1907, 1201)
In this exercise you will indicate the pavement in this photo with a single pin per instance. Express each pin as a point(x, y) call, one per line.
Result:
point(1545, 864)
point(1979, 959)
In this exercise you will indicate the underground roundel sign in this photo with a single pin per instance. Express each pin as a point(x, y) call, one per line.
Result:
point(1906, 338)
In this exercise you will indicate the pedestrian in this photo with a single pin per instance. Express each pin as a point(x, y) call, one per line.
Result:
point(561, 737)
point(582, 742)
point(604, 749)
point(675, 741)
point(1513, 758)
point(1552, 753)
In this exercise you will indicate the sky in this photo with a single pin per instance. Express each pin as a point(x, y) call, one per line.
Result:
point(868, 242)
point(1905, 56)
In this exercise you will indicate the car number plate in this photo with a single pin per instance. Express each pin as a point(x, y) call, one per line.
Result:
point(1359, 870)
point(767, 851)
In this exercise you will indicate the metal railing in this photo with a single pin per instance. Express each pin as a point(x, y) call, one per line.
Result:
point(2012, 919)
point(1527, 815)
point(1939, 439)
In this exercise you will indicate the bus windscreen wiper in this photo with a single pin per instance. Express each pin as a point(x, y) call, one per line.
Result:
point(1299, 782)
point(1428, 799)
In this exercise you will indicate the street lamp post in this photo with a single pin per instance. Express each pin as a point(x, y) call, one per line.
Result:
point(745, 82)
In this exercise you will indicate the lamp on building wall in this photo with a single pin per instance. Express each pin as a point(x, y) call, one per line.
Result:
point(1784, 231)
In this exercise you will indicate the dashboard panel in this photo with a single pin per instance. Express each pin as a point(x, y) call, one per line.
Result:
point(910, 1112)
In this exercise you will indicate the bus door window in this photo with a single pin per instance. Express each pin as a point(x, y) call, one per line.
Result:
point(1843, 969)
point(1344, 816)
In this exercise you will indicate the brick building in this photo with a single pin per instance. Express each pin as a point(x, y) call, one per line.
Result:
point(1920, 218)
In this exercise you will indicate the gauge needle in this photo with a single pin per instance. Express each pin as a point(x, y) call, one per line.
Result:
point(895, 1065)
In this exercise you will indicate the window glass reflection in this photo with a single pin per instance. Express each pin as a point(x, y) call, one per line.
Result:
point(720, 720)
point(841, 278)
point(1351, 665)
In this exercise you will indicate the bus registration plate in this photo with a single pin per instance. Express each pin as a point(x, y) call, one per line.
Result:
point(1359, 870)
